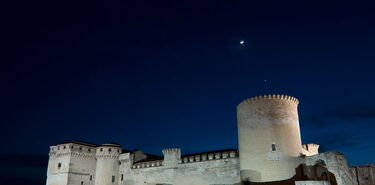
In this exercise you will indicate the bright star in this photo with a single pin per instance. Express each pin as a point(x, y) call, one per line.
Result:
point(242, 42)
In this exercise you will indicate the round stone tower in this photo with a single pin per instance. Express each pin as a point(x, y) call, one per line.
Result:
point(269, 140)
point(107, 165)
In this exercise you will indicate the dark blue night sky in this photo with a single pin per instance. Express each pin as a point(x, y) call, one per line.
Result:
point(156, 74)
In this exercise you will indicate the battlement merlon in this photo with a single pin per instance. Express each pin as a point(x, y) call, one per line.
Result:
point(109, 150)
point(171, 150)
point(310, 149)
point(172, 157)
point(270, 97)
point(209, 156)
point(72, 148)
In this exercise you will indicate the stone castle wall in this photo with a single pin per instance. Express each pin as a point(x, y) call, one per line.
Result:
point(107, 164)
point(204, 169)
point(269, 138)
point(270, 152)
point(71, 163)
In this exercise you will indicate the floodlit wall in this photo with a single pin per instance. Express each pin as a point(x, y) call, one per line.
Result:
point(82, 166)
point(269, 140)
point(107, 165)
point(58, 167)
point(202, 169)
point(269, 150)
point(71, 164)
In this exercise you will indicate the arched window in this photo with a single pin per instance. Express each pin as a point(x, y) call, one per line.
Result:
point(273, 147)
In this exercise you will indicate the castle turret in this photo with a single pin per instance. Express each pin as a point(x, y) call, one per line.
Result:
point(107, 165)
point(71, 162)
point(172, 156)
point(268, 137)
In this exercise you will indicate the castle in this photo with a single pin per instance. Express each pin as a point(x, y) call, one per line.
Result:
point(269, 152)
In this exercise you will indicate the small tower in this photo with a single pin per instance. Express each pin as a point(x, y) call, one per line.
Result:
point(107, 165)
point(310, 149)
point(71, 162)
point(172, 157)
point(269, 140)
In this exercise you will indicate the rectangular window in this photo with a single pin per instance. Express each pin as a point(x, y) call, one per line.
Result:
point(90, 177)
point(81, 182)
point(59, 165)
point(122, 177)
point(273, 147)
point(113, 178)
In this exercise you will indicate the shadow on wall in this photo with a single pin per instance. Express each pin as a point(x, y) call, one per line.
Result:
point(303, 172)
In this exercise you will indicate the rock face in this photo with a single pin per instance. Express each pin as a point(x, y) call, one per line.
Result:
point(364, 174)
point(270, 152)
point(330, 162)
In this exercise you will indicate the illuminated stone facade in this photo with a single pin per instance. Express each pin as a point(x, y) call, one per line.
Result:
point(270, 152)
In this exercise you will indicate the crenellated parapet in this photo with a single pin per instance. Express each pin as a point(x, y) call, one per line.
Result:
point(172, 157)
point(83, 155)
point(220, 155)
point(171, 150)
point(52, 151)
point(148, 164)
point(110, 151)
point(269, 140)
point(72, 149)
point(107, 163)
point(193, 158)
point(270, 97)
point(310, 149)
point(76, 154)
point(107, 156)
